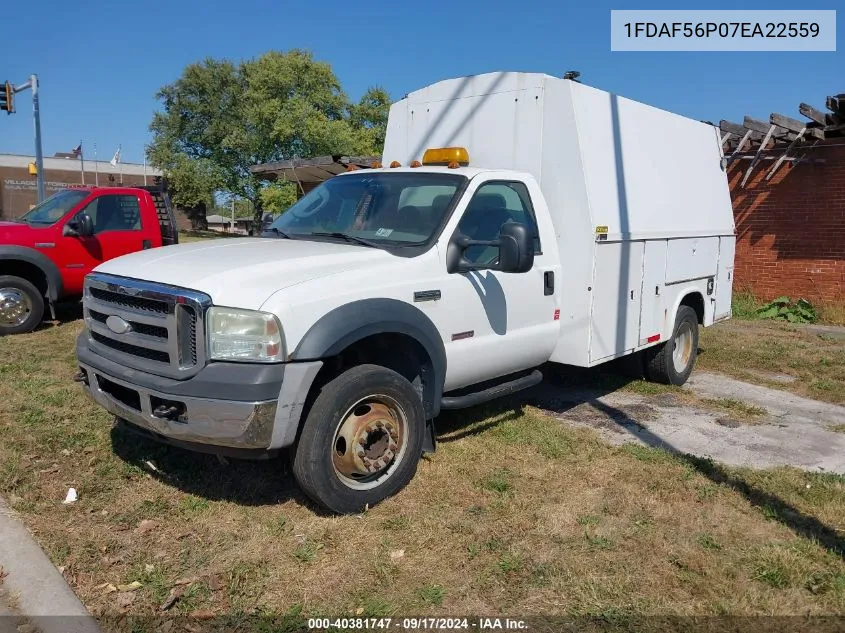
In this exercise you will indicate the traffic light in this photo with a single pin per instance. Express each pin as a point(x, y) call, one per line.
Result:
point(7, 98)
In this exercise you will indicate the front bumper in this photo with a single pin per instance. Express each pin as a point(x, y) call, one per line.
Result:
point(227, 405)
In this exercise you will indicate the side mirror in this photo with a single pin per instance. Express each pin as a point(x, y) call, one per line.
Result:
point(516, 248)
point(516, 251)
point(81, 225)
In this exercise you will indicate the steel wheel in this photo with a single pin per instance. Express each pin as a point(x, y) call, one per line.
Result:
point(15, 307)
point(682, 345)
point(369, 442)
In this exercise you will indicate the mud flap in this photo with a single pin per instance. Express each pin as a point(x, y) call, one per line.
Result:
point(430, 439)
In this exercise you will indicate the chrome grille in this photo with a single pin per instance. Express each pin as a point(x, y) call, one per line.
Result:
point(163, 324)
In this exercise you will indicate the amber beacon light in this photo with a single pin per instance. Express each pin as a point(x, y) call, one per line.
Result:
point(445, 156)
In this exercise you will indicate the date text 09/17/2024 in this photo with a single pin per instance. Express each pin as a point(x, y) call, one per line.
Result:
point(419, 624)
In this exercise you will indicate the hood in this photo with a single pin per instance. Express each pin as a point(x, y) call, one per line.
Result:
point(14, 232)
point(242, 272)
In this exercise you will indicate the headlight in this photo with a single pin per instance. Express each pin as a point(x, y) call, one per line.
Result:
point(244, 335)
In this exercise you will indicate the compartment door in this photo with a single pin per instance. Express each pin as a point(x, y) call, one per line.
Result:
point(653, 311)
point(617, 287)
point(725, 277)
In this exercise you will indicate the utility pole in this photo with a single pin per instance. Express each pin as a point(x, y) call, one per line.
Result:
point(233, 214)
point(36, 117)
point(7, 104)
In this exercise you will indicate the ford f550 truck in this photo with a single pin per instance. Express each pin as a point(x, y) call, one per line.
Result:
point(518, 219)
point(46, 253)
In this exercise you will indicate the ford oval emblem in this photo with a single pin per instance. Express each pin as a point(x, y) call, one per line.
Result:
point(118, 325)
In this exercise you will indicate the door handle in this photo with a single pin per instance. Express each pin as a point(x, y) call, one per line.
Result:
point(548, 282)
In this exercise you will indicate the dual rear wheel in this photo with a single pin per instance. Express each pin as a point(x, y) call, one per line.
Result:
point(672, 362)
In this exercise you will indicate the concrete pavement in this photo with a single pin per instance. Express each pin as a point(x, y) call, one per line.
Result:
point(34, 596)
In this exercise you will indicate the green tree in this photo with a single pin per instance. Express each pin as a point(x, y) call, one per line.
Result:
point(369, 119)
point(277, 197)
point(228, 117)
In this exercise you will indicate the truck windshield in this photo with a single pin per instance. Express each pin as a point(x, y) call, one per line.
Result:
point(55, 207)
point(372, 209)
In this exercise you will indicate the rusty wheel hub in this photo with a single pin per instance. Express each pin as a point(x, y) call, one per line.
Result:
point(368, 440)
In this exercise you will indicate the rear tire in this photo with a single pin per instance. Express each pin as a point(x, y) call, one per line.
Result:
point(361, 441)
point(673, 361)
point(21, 305)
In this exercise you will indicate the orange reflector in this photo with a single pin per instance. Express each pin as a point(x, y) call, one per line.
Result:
point(395, 164)
point(376, 165)
point(445, 156)
point(416, 163)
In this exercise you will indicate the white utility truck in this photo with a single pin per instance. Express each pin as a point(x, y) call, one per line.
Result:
point(518, 219)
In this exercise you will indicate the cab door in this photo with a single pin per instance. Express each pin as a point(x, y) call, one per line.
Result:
point(496, 323)
point(118, 231)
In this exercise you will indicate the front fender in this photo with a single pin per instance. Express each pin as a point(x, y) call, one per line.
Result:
point(55, 285)
point(354, 321)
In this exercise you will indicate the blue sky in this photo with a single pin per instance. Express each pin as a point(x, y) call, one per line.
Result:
point(100, 63)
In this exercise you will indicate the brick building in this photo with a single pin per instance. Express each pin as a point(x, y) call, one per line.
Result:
point(18, 190)
point(787, 180)
point(791, 229)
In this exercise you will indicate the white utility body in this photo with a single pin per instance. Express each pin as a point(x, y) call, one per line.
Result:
point(523, 219)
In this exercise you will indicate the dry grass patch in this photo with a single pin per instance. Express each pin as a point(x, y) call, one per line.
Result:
point(515, 514)
point(737, 409)
point(757, 351)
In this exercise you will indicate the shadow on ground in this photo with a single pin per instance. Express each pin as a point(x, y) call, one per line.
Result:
point(563, 392)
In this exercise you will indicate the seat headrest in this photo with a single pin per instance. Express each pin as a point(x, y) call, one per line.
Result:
point(440, 202)
point(488, 202)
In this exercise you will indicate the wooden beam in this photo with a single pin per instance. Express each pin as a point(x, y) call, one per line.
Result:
point(738, 130)
point(836, 104)
point(816, 115)
point(745, 139)
point(794, 125)
point(786, 153)
point(760, 149)
point(765, 128)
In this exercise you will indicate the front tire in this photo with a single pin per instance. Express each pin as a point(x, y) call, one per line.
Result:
point(672, 362)
point(361, 441)
point(21, 305)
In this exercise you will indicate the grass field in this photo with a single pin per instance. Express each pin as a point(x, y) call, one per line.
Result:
point(514, 514)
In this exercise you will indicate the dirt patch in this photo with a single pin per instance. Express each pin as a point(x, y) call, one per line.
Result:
point(801, 359)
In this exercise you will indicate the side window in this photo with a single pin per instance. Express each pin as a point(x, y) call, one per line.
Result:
point(115, 213)
point(493, 204)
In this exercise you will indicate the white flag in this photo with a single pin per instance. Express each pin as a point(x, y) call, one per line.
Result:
point(116, 158)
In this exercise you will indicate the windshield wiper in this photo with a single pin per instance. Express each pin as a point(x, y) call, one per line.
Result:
point(278, 232)
point(348, 238)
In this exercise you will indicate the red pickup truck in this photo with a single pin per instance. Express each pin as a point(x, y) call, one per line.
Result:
point(46, 253)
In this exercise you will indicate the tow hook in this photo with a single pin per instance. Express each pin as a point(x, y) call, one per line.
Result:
point(168, 412)
point(81, 376)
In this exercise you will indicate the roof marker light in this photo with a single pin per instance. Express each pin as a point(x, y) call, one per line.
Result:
point(416, 163)
point(395, 164)
point(446, 155)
